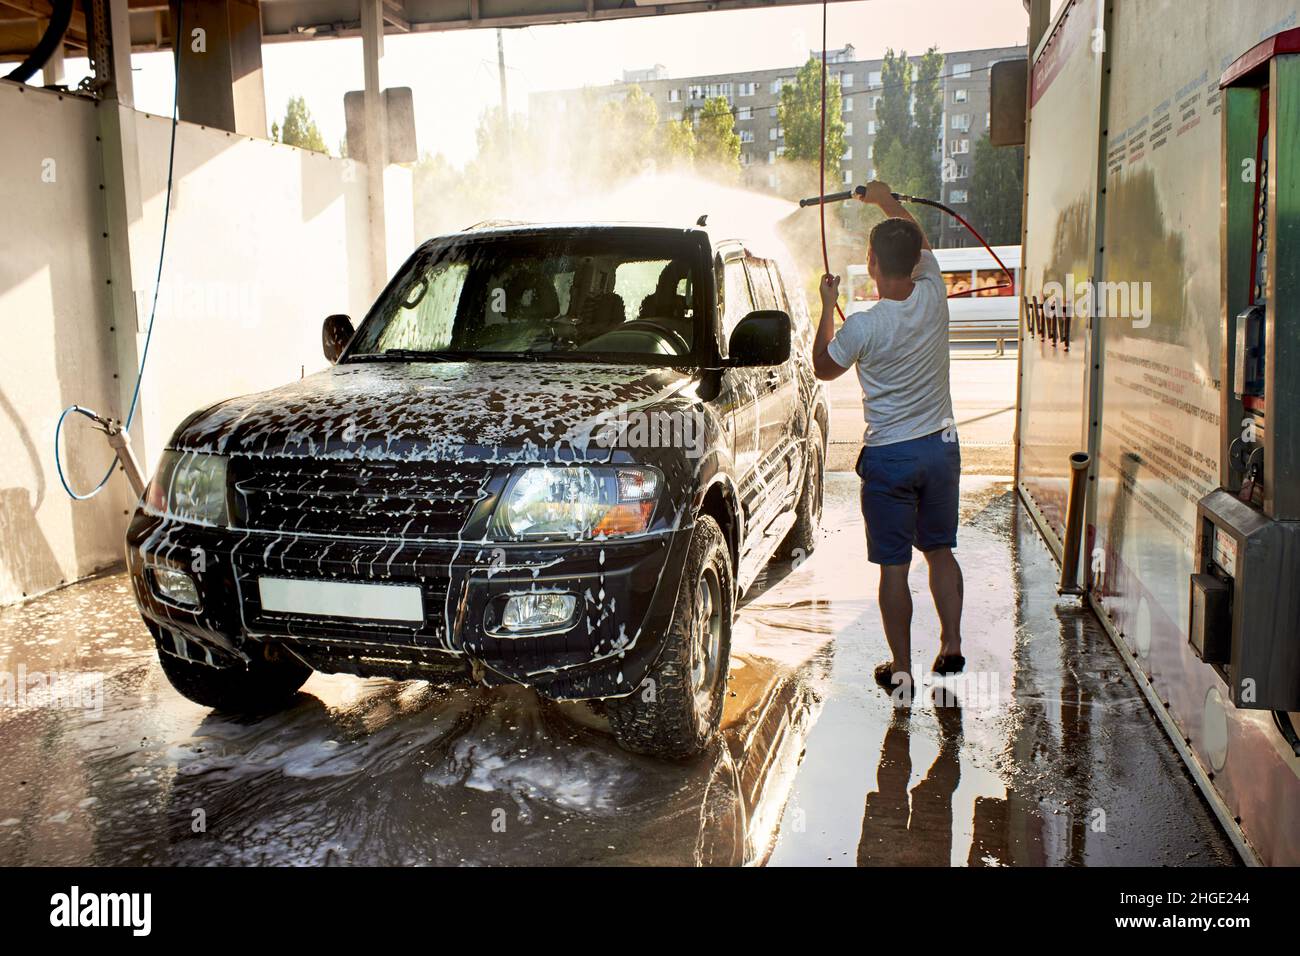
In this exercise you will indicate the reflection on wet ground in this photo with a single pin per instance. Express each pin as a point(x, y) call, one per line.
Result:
point(1043, 753)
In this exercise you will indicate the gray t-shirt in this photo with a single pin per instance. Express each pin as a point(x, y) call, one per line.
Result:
point(901, 350)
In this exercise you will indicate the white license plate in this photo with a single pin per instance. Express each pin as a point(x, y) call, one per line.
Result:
point(372, 602)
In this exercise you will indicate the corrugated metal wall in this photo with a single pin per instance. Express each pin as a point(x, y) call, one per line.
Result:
point(1151, 219)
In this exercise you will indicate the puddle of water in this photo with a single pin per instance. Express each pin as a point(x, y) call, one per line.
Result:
point(814, 764)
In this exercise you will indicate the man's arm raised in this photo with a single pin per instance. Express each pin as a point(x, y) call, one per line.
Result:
point(825, 367)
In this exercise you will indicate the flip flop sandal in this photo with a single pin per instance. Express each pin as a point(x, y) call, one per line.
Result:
point(884, 674)
point(949, 664)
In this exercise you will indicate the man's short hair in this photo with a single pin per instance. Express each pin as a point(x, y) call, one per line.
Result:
point(897, 245)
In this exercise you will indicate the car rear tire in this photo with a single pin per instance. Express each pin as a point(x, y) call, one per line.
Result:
point(801, 539)
point(678, 707)
point(265, 685)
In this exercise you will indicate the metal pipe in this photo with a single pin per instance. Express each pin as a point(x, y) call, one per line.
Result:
point(121, 443)
point(1079, 462)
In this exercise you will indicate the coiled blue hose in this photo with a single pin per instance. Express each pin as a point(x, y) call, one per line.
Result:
point(153, 310)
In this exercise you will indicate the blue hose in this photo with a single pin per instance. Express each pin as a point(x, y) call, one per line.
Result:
point(153, 309)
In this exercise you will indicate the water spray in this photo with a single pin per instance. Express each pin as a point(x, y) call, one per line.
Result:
point(857, 191)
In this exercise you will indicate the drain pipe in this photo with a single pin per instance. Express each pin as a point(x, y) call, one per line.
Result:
point(1079, 462)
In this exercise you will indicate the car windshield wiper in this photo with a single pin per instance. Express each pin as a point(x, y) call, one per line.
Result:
point(410, 355)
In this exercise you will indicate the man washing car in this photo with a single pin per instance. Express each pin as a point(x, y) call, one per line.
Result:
point(910, 463)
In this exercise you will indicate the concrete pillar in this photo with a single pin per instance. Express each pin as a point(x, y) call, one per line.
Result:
point(52, 72)
point(376, 125)
point(221, 66)
point(123, 215)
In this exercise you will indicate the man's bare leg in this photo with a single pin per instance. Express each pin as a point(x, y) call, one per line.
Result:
point(896, 612)
point(947, 588)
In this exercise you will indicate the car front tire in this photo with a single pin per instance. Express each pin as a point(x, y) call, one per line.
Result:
point(265, 685)
point(678, 707)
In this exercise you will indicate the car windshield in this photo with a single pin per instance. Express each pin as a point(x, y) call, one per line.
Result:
point(605, 297)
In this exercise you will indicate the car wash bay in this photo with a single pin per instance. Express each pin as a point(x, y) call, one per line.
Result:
point(1044, 753)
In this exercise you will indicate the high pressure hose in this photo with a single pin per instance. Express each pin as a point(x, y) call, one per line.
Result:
point(1011, 279)
point(821, 162)
point(823, 199)
point(60, 17)
point(153, 310)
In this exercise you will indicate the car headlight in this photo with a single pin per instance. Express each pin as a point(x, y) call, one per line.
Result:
point(190, 486)
point(576, 502)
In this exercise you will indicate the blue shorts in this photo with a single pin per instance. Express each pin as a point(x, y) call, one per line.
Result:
point(910, 492)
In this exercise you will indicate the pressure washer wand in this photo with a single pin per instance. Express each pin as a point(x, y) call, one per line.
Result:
point(862, 191)
point(833, 197)
point(920, 201)
point(120, 440)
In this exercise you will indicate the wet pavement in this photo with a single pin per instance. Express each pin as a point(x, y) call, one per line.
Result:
point(1043, 753)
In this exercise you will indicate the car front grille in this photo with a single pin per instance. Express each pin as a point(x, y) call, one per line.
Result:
point(356, 498)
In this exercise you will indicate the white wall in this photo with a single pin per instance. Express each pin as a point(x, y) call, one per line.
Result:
point(264, 241)
point(58, 347)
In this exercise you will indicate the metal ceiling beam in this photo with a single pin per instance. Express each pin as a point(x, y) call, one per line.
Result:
point(286, 21)
point(290, 20)
point(395, 16)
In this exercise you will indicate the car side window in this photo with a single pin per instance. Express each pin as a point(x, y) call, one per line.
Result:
point(775, 274)
point(958, 283)
point(760, 280)
point(792, 301)
point(737, 300)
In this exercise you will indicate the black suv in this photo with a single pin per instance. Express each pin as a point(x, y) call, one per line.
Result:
point(551, 455)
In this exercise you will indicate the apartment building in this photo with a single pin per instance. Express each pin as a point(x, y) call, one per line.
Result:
point(754, 96)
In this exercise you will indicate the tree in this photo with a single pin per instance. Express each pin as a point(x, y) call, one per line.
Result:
point(677, 142)
point(997, 183)
point(632, 125)
point(908, 125)
point(298, 128)
point(800, 114)
point(717, 144)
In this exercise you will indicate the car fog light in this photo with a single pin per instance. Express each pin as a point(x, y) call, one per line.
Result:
point(176, 587)
point(529, 613)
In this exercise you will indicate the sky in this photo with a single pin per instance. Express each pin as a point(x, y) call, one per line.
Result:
point(454, 75)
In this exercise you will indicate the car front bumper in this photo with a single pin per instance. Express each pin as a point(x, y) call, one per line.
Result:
point(626, 591)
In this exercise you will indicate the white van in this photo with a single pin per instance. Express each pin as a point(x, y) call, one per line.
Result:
point(980, 312)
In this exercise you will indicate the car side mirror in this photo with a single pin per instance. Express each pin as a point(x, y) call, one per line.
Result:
point(760, 338)
point(335, 335)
